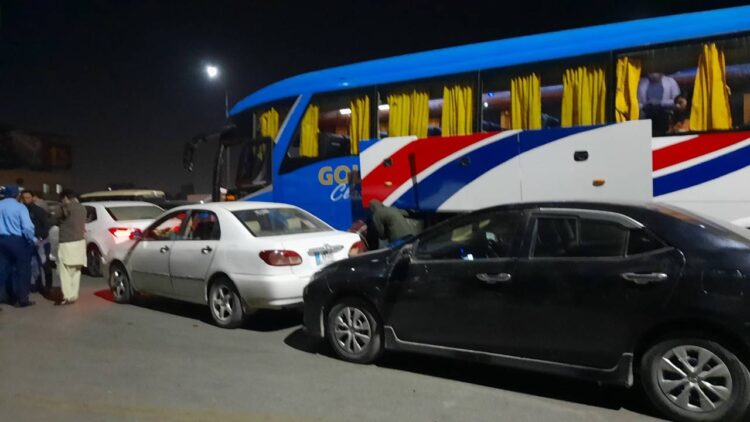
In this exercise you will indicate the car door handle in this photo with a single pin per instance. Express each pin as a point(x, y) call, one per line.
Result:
point(644, 278)
point(164, 249)
point(206, 250)
point(494, 278)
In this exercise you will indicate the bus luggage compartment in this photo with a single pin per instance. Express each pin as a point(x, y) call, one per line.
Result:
point(461, 173)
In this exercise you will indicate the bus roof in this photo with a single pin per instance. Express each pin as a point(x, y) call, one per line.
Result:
point(507, 52)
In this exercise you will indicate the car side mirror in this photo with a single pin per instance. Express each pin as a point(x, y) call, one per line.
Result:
point(401, 262)
point(136, 234)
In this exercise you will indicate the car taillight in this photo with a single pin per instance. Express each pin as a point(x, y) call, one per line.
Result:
point(120, 232)
point(281, 258)
point(357, 248)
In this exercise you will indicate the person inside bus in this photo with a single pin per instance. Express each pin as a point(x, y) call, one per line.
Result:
point(656, 95)
point(680, 118)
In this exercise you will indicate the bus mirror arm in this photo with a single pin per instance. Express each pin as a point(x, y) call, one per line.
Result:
point(188, 154)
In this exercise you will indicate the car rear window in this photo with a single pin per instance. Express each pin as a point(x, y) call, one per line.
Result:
point(279, 221)
point(135, 212)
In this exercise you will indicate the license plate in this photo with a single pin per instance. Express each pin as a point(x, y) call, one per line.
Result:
point(322, 258)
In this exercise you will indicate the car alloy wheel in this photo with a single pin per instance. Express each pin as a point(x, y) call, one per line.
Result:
point(694, 379)
point(119, 284)
point(226, 304)
point(222, 303)
point(93, 262)
point(352, 331)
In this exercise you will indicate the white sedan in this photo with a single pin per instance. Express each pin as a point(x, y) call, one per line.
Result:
point(109, 223)
point(236, 257)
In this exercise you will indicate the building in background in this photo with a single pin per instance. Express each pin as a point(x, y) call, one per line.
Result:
point(43, 160)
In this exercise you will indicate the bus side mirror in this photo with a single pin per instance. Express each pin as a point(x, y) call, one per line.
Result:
point(187, 156)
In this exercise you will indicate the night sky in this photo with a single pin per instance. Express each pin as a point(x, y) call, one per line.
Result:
point(124, 79)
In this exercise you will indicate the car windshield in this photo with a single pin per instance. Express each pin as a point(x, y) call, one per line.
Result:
point(280, 221)
point(135, 212)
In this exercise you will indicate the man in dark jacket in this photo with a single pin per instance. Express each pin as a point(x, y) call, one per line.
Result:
point(390, 222)
point(40, 218)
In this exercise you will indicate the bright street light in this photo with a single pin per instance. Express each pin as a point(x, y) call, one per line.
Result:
point(212, 71)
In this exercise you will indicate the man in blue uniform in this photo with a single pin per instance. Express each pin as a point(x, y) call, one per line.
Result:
point(16, 240)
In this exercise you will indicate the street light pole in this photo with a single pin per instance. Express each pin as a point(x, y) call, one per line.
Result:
point(213, 73)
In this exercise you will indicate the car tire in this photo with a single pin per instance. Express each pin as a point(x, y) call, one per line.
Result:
point(119, 284)
point(695, 380)
point(354, 331)
point(225, 304)
point(93, 261)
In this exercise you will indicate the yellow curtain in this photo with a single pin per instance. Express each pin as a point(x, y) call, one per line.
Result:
point(710, 109)
point(359, 126)
point(584, 96)
point(458, 110)
point(626, 95)
point(526, 102)
point(308, 145)
point(409, 114)
point(269, 123)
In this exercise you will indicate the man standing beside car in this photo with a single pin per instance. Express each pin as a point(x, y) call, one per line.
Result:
point(16, 240)
point(71, 251)
point(40, 218)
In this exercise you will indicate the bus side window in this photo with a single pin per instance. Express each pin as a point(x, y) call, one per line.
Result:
point(666, 91)
point(331, 127)
point(438, 107)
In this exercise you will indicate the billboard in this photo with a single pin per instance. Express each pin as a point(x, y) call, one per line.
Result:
point(43, 152)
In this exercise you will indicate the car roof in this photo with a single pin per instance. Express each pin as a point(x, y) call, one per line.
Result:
point(234, 205)
point(112, 204)
point(123, 192)
point(614, 206)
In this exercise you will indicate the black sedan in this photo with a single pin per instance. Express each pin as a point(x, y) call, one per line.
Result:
point(608, 292)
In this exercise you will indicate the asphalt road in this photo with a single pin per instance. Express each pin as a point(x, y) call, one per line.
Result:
point(164, 361)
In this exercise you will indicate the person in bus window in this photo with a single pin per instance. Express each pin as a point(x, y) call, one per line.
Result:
point(680, 119)
point(656, 94)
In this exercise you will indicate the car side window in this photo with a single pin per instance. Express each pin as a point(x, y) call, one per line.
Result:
point(167, 228)
point(485, 236)
point(202, 225)
point(571, 237)
point(641, 241)
point(90, 214)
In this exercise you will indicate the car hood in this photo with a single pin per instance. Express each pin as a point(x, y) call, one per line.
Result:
point(369, 265)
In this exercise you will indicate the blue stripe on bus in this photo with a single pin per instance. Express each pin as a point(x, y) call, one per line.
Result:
point(703, 172)
point(449, 179)
point(535, 138)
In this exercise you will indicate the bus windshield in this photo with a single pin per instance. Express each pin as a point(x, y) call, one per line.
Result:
point(259, 128)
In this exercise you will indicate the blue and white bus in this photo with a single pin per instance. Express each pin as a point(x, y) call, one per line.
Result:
point(431, 114)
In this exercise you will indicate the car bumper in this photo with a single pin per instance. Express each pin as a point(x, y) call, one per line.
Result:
point(270, 292)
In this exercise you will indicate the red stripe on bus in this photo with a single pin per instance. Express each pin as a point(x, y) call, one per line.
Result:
point(695, 147)
point(382, 181)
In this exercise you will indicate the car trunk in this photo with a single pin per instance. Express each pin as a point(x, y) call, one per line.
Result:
point(318, 250)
